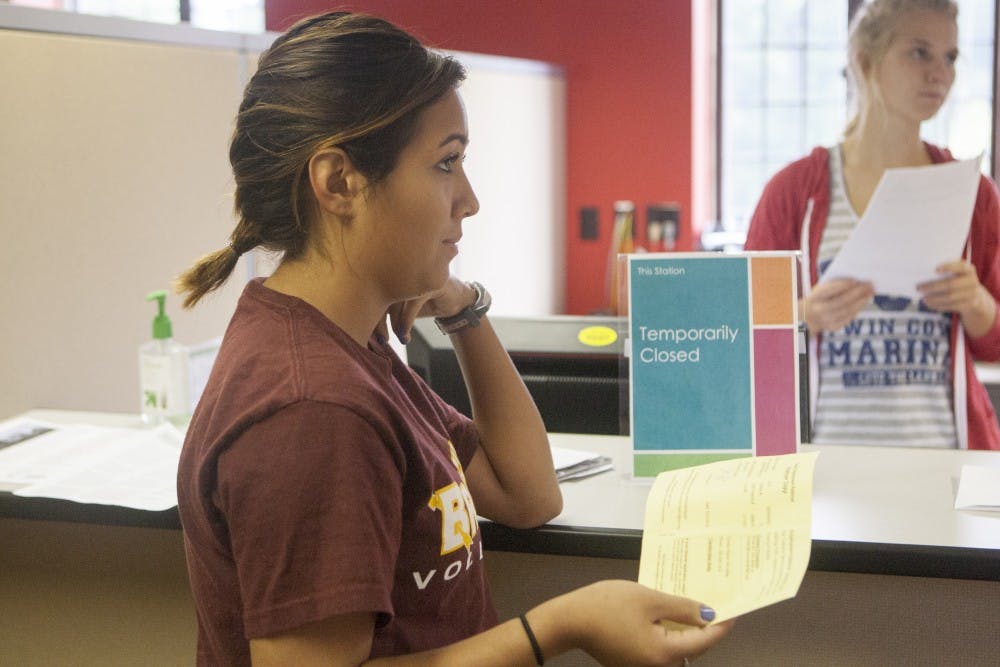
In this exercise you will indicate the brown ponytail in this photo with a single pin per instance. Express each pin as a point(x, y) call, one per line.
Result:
point(208, 273)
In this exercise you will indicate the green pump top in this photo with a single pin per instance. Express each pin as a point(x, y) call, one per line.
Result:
point(161, 323)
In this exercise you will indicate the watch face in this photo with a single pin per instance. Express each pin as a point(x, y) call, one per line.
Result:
point(483, 300)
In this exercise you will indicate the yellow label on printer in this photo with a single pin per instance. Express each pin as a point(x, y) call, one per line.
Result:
point(597, 336)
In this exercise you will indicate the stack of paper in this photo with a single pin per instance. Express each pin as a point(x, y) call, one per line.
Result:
point(91, 464)
point(978, 489)
point(576, 464)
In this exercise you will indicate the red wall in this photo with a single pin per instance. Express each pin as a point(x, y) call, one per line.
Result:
point(628, 91)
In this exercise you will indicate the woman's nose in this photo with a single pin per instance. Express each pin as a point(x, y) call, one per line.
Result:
point(939, 70)
point(469, 203)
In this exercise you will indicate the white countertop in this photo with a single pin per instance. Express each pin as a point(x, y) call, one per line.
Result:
point(888, 495)
point(886, 510)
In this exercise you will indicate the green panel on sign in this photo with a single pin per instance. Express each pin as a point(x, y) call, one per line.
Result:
point(651, 465)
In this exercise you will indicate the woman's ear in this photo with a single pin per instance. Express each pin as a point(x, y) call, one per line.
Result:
point(335, 182)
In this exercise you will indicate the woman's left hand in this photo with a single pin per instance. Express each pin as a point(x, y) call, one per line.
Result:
point(449, 300)
point(959, 291)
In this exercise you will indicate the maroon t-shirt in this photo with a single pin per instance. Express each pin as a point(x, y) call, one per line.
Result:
point(320, 477)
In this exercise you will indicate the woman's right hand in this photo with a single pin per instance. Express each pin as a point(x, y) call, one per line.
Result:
point(618, 623)
point(832, 304)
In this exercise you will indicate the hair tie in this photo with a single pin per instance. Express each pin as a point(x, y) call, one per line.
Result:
point(535, 648)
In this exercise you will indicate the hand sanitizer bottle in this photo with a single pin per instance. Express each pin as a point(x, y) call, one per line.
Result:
point(163, 371)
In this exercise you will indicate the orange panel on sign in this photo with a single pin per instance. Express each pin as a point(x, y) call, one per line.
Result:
point(771, 279)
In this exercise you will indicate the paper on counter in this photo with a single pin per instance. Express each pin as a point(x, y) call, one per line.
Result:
point(90, 464)
point(735, 535)
point(917, 218)
point(15, 431)
point(978, 489)
point(22, 461)
point(577, 464)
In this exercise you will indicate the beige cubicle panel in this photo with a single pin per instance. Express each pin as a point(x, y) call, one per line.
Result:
point(837, 619)
point(113, 179)
point(79, 594)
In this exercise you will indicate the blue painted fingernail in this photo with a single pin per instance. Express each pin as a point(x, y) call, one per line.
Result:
point(707, 614)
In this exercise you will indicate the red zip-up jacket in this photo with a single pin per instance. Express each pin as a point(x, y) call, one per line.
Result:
point(791, 215)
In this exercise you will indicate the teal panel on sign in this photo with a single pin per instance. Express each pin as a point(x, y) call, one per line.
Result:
point(691, 359)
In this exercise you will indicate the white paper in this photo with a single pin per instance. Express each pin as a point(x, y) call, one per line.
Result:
point(575, 463)
point(563, 457)
point(917, 218)
point(978, 489)
point(91, 464)
point(20, 430)
point(22, 459)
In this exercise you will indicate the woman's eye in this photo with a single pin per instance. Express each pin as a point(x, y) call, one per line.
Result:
point(448, 163)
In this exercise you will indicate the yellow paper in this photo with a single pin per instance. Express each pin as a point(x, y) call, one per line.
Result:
point(734, 535)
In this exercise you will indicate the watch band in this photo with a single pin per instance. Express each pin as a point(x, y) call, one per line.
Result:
point(468, 316)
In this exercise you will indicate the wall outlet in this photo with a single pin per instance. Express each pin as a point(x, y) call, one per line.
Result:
point(589, 223)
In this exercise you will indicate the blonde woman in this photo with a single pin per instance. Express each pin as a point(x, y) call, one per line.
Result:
point(888, 370)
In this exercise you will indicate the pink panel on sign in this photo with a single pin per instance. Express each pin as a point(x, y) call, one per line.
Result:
point(775, 391)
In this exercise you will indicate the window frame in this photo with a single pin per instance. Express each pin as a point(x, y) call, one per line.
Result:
point(852, 7)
